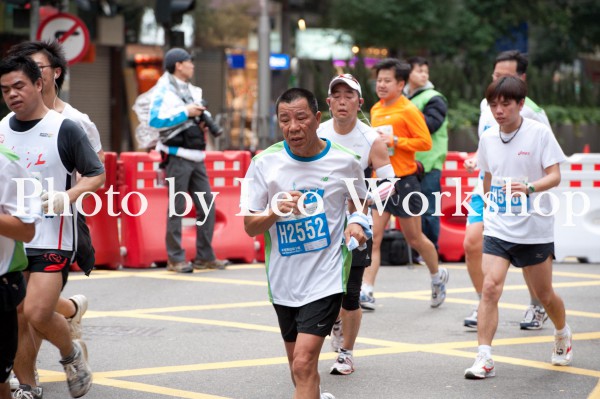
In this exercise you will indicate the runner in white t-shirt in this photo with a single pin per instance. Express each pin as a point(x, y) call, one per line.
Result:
point(344, 100)
point(50, 58)
point(520, 159)
point(307, 246)
point(508, 63)
point(16, 226)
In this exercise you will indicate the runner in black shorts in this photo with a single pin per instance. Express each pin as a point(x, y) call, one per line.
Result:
point(344, 127)
point(518, 222)
point(519, 255)
point(407, 186)
point(315, 318)
point(55, 261)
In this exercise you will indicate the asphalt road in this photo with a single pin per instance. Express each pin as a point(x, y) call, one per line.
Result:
point(153, 334)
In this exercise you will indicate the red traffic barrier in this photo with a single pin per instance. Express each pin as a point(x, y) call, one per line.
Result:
point(143, 233)
point(230, 240)
point(456, 181)
point(104, 228)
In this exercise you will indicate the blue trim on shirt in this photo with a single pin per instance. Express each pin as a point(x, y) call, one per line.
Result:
point(308, 159)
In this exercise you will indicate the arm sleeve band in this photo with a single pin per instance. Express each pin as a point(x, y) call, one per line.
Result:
point(385, 172)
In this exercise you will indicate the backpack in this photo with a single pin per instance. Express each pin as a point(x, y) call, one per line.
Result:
point(394, 249)
point(146, 136)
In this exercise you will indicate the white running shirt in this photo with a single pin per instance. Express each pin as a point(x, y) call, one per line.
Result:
point(84, 121)
point(524, 159)
point(359, 140)
point(306, 258)
point(12, 252)
point(486, 121)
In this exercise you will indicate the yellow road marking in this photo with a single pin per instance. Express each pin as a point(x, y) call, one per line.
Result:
point(448, 348)
point(154, 389)
point(595, 394)
point(191, 277)
point(523, 362)
point(385, 347)
point(220, 323)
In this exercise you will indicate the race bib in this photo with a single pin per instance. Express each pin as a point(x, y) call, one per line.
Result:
point(307, 232)
point(499, 195)
point(303, 235)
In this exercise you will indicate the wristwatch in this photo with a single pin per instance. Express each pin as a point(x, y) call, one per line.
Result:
point(530, 188)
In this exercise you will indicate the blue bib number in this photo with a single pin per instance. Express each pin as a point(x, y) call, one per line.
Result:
point(515, 203)
point(303, 235)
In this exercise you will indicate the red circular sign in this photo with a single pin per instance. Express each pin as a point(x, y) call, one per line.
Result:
point(70, 31)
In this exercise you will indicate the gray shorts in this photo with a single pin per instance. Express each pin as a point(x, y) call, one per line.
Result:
point(520, 255)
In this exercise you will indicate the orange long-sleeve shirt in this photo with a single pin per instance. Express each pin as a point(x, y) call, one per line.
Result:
point(409, 127)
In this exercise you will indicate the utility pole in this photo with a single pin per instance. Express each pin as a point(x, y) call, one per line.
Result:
point(264, 76)
point(34, 19)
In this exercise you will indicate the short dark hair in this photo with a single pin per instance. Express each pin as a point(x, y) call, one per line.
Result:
point(297, 93)
point(53, 51)
point(23, 64)
point(417, 60)
point(514, 55)
point(507, 88)
point(401, 69)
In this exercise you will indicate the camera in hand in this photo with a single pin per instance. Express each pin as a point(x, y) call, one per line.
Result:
point(206, 117)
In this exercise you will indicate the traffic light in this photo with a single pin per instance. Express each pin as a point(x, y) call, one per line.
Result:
point(170, 12)
point(21, 9)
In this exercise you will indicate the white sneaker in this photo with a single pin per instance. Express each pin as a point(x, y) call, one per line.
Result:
point(81, 303)
point(367, 301)
point(14, 381)
point(482, 368)
point(79, 374)
point(471, 320)
point(337, 336)
point(534, 318)
point(344, 364)
point(25, 391)
point(563, 350)
point(327, 395)
point(438, 291)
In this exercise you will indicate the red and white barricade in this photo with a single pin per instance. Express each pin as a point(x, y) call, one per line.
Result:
point(457, 182)
point(577, 221)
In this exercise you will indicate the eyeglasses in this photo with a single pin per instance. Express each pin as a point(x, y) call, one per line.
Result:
point(44, 66)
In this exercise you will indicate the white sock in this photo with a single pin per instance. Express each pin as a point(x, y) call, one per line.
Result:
point(347, 351)
point(367, 288)
point(563, 331)
point(435, 278)
point(487, 349)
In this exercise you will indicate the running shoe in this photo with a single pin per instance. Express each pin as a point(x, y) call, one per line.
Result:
point(25, 391)
point(79, 374)
point(327, 395)
point(344, 364)
point(15, 384)
point(534, 318)
point(438, 291)
point(367, 301)
point(81, 303)
point(563, 351)
point(482, 368)
point(337, 336)
point(471, 320)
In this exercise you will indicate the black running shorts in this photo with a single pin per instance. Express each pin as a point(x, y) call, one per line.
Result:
point(315, 318)
point(520, 255)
